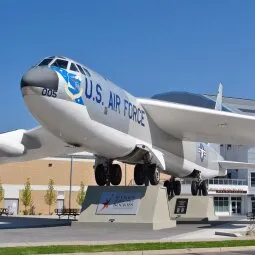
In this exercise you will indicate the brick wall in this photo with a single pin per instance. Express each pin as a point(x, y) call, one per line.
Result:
point(40, 171)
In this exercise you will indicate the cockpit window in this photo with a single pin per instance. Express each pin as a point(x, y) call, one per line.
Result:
point(73, 67)
point(60, 63)
point(81, 70)
point(86, 71)
point(45, 62)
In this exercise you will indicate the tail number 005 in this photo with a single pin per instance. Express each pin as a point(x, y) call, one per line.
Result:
point(49, 92)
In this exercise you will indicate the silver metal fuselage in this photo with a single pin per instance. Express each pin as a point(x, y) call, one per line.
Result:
point(94, 113)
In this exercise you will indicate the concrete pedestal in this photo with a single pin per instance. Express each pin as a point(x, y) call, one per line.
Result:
point(136, 206)
point(192, 208)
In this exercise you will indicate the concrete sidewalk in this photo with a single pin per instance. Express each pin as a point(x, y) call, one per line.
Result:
point(239, 229)
point(174, 251)
point(201, 251)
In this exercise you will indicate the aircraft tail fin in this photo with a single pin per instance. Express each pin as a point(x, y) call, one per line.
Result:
point(218, 104)
point(218, 107)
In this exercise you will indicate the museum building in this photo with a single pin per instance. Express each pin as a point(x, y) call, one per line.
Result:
point(234, 194)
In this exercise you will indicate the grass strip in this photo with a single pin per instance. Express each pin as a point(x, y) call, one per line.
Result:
point(122, 247)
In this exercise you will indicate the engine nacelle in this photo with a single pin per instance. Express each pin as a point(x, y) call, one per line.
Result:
point(11, 148)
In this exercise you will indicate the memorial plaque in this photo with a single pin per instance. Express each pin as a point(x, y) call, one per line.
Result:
point(181, 206)
point(117, 203)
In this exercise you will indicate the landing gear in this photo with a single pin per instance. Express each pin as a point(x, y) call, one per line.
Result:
point(169, 190)
point(173, 187)
point(107, 173)
point(194, 188)
point(115, 174)
point(100, 175)
point(199, 187)
point(139, 174)
point(145, 173)
point(154, 174)
point(177, 188)
point(204, 188)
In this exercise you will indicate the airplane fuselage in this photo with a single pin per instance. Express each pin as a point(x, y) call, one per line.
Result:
point(89, 111)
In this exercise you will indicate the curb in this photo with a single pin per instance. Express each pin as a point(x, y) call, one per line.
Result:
point(111, 242)
point(219, 233)
point(167, 252)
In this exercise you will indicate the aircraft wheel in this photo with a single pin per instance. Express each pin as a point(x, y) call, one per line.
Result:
point(167, 184)
point(204, 188)
point(115, 174)
point(177, 188)
point(139, 174)
point(154, 174)
point(194, 188)
point(100, 175)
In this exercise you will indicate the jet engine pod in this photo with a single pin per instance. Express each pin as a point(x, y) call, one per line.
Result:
point(11, 148)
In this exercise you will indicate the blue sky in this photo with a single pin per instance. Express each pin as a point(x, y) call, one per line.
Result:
point(145, 47)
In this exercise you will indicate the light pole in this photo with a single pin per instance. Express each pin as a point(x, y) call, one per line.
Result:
point(70, 184)
point(125, 174)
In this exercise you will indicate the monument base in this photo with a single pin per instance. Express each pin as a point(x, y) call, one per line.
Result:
point(192, 208)
point(119, 206)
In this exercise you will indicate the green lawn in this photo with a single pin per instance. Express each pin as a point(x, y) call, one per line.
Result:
point(122, 247)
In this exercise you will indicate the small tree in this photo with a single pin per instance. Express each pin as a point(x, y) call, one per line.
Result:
point(51, 195)
point(26, 197)
point(81, 194)
point(1, 192)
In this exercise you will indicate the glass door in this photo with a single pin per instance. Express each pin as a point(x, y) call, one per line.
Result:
point(60, 203)
point(253, 207)
point(236, 203)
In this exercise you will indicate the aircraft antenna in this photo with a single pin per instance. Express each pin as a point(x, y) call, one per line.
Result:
point(218, 104)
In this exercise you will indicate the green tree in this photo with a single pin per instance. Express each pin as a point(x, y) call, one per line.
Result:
point(51, 195)
point(81, 194)
point(1, 192)
point(26, 197)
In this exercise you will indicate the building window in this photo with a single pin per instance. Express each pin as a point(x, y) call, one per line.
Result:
point(252, 179)
point(236, 199)
point(221, 204)
point(247, 110)
point(253, 207)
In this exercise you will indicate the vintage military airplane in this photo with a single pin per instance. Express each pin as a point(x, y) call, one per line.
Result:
point(79, 110)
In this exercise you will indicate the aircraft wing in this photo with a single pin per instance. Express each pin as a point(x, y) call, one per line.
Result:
point(24, 145)
point(235, 165)
point(199, 124)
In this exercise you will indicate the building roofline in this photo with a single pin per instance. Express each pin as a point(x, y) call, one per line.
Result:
point(248, 99)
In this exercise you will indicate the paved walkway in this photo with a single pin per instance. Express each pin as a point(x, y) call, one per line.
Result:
point(16, 231)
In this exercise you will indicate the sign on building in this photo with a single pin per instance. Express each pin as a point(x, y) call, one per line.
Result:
point(119, 203)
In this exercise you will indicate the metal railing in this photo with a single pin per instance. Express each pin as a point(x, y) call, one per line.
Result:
point(215, 181)
point(219, 181)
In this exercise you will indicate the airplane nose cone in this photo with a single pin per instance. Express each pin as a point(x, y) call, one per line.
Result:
point(40, 76)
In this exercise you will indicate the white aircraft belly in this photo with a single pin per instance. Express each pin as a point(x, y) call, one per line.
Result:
point(181, 167)
point(75, 126)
